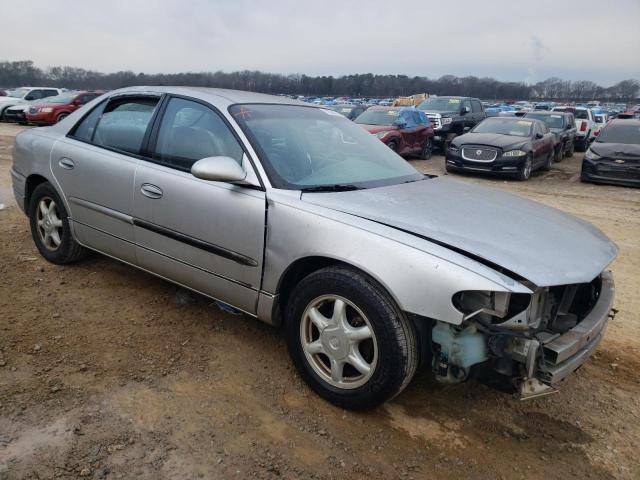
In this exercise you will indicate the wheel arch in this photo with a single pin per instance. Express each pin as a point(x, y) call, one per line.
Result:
point(33, 181)
point(305, 266)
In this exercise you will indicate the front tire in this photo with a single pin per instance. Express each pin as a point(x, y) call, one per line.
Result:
point(525, 171)
point(348, 339)
point(393, 145)
point(50, 228)
point(61, 117)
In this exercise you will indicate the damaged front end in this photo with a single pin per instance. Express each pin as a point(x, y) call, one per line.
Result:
point(529, 341)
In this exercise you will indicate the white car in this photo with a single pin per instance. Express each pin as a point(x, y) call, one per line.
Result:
point(585, 125)
point(601, 120)
point(25, 95)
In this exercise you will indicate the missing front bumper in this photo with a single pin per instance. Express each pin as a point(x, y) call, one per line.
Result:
point(565, 354)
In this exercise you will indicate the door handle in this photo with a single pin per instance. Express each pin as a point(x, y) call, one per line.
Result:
point(66, 163)
point(151, 191)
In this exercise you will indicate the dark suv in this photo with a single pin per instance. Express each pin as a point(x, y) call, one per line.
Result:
point(452, 116)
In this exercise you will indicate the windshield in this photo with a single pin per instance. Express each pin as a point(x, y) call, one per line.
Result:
point(64, 98)
point(440, 104)
point(552, 121)
point(378, 116)
point(18, 92)
point(617, 133)
point(504, 126)
point(305, 147)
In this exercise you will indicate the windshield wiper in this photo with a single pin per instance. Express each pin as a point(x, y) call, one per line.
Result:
point(339, 187)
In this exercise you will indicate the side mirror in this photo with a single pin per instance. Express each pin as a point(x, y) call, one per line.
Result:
point(400, 124)
point(466, 129)
point(219, 169)
point(539, 136)
point(465, 110)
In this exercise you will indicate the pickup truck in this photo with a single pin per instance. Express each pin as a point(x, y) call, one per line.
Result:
point(585, 125)
point(452, 116)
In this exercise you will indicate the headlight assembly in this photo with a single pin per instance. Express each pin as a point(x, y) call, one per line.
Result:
point(381, 134)
point(446, 120)
point(494, 308)
point(591, 155)
point(46, 110)
point(514, 153)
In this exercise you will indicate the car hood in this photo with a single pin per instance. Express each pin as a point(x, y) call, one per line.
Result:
point(12, 100)
point(539, 243)
point(615, 149)
point(378, 128)
point(443, 114)
point(493, 139)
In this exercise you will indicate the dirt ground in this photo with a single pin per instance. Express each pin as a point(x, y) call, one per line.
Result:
point(108, 372)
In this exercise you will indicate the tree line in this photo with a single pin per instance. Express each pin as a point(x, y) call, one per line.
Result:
point(19, 73)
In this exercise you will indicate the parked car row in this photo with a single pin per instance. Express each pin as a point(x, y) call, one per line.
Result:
point(42, 106)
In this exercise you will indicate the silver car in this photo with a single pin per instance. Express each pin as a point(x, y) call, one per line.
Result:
point(295, 215)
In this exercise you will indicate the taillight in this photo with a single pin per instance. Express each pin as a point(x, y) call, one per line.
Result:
point(596, 133)
point(583, 126)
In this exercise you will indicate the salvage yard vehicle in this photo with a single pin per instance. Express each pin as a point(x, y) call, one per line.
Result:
point(404, 130)
point(563, 125)
point(585, 125)
point(452, 116)
point(25, 95)
point(350, 111)
point(614, 156)
point(514, 146)
point(53, 109)
point(297, 216)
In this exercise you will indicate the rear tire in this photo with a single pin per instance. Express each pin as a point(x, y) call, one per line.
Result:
point(549, 162)
point(322, 350)
point(427, 149)
point(571, 150)
point(50, 228)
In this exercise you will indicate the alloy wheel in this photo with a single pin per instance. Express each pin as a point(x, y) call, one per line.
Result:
point(338, 341)
point(49, 223)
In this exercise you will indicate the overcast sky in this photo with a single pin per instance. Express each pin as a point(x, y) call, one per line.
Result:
point(509, 40)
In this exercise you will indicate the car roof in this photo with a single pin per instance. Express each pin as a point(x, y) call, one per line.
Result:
point(214, 95)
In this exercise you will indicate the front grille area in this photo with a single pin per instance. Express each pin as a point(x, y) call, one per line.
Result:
point(479, 154)
point(435, 121)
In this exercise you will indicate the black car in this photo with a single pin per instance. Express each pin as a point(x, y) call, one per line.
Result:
point(503, 145)
point(564, 126)
point(350, 111)
point(452, 116)
point(614, 157)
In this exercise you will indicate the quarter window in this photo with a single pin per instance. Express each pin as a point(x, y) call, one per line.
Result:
point(84, 130)
point(190, 132)
point(124, 123)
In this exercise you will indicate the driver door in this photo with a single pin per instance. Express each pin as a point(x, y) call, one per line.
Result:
point(205, 235)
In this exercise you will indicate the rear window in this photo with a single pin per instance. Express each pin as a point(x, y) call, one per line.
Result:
point(552, 121)
point(620, 133)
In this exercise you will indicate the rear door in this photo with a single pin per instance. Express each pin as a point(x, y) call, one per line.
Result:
point(95, 166)
point(206, 235)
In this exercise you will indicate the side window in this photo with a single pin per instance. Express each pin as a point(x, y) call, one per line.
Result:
point(124, 123)
point(476, 106)
point(190, 132)
point(34, 95)
point(49, 93)
point(84, 130)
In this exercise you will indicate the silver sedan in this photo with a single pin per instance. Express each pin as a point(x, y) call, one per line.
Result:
point(297, 216)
